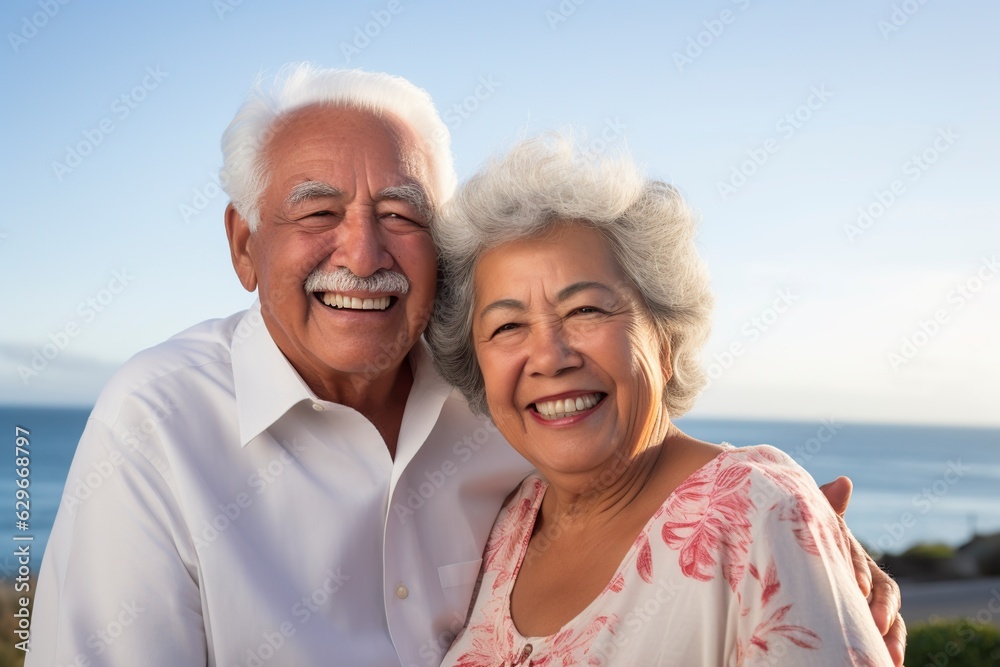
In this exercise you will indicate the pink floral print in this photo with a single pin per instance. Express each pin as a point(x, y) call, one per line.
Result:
point(732, 534)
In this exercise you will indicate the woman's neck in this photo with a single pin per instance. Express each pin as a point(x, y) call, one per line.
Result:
point(583, 500)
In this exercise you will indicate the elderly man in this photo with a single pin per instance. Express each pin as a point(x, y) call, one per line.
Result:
point(292, 485)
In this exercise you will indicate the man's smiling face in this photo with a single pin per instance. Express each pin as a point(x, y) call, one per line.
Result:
point(346, 191)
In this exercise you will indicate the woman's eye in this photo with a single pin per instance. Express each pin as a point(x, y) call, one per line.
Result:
point(510, 326)
point(587, 310)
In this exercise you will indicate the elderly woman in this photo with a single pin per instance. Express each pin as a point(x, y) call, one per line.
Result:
point(573, 310)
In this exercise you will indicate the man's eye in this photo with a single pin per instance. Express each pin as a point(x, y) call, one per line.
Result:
point(398, 220)
point(312, 216)
point(316, 220)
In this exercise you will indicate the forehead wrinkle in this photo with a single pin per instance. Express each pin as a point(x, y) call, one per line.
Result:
point(309, 190)
point(503, 304)
point(582, 286)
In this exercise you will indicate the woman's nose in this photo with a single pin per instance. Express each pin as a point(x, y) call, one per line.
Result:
point(551, 351)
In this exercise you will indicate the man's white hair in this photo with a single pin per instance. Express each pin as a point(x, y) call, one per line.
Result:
point(245, 175)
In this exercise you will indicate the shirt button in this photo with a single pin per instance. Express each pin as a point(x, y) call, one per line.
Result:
point(318, 408)
point(402, 592)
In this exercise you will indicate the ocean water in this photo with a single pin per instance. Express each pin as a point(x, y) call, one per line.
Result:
point(911, 483)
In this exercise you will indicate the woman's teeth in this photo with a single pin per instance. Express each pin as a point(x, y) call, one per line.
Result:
point(567, 407)
point(354, 303)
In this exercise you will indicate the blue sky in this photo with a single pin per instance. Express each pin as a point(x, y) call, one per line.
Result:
point(778, 122)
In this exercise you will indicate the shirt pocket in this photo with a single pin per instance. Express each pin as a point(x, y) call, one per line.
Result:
point(458, 582)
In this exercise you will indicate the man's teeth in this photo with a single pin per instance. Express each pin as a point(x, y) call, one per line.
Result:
point(354, 303)
point(567, 407)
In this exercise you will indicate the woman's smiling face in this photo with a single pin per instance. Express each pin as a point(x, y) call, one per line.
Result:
point(572, 366)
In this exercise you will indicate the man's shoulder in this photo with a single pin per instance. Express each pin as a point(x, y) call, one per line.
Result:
point(182, 366)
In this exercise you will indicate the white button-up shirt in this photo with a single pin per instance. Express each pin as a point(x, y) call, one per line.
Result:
point(218, 512)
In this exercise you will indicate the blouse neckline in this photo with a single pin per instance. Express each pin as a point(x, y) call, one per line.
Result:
point(627, 560)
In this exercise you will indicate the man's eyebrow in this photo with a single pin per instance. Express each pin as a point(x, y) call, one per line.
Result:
point(411, 193)
point(303, 192)
point(564, 294)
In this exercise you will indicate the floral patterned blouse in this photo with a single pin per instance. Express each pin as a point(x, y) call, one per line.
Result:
point(743, 564)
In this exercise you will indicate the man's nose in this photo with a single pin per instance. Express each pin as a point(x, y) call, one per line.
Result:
point(361, 244)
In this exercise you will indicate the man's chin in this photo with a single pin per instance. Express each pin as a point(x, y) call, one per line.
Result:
point(368, 359)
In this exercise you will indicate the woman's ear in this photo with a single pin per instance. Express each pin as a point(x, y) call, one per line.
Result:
point(238, 232)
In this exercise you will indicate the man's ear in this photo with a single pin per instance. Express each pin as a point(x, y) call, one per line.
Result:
point(238, 232)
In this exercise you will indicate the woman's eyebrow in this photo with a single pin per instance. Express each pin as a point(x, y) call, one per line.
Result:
point(502, 304)
point(565, 293)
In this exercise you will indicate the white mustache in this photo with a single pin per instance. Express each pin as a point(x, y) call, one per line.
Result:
point(344, 280)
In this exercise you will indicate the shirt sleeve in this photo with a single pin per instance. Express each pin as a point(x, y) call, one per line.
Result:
point(800, 602)
point(118, 583)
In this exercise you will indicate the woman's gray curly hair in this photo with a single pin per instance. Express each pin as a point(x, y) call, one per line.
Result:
point(546, 181)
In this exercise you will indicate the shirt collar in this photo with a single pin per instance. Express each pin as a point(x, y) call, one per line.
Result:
point(267, 385)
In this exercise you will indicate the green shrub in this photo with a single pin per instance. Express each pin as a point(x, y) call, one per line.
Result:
point(953, 644)
point(931, 550)
point(10, 656)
